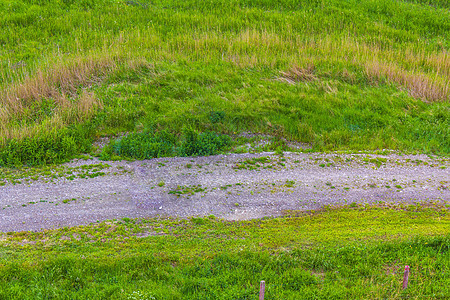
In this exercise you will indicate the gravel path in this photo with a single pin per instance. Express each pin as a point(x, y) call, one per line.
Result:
point(233, 187)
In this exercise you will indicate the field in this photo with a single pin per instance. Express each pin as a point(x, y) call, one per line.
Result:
point(134, 80)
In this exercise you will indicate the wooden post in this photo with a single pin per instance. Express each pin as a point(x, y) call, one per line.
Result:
point(406, 277)
point(262, 289)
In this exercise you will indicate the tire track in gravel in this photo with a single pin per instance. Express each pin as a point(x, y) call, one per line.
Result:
point(233, 187)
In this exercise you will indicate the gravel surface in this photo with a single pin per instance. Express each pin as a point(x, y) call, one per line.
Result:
point(233, 187)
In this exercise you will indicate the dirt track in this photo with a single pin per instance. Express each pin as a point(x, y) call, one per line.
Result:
point(234, 187)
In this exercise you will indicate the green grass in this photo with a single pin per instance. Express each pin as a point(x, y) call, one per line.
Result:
point(335, 74)
point(187, 190)
point(341, 253)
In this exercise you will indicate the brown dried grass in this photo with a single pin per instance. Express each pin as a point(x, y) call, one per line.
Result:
point(86, 105)
point(297, 74)
point(66, 84)
point(439, 62)
point(418, 84)
point(57, 83)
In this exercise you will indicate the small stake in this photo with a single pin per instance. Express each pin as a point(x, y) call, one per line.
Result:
point(406, 277)
point(262, 288)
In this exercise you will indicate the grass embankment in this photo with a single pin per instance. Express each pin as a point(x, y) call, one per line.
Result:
point(350, 253)
point(336, 74)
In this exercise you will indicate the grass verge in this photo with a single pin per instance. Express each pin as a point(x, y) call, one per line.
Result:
point(340, 253)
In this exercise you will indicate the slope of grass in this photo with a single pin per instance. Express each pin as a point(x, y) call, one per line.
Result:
point(329, 113)
point(93, 62)
point(334, 254)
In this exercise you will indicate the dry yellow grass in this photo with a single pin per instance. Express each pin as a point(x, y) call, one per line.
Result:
point(296, 74)
point(424, 75)
point(87, 104)
point(65, 84)
point(418, 84)
point(57, 83)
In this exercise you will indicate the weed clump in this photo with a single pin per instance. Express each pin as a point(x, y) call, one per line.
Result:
point(202, 144)
point(142, 145)
point(54, 146)
point(150, 144)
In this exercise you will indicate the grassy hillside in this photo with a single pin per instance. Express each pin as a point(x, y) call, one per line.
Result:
point(350, 253)
point(336, 74)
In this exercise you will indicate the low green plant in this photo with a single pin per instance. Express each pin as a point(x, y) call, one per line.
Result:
point(142, 145)
point(289, 183)
point(68, 200)
point(150, 144)
point(202, 144)
point(50, 173)
point(216, 116)
point(187, 190)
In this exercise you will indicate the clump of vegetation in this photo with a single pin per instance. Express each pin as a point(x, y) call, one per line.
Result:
point(258, 163)
point(149, 144)
point(253, 163)
point(142, 145)
point(187, 190)
point(54, 146)
point(202, 144)
point(65, 201)
point(161, 183)
point(289, 183)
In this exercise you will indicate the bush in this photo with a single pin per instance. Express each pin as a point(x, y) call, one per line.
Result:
point(150, 144)
point(202, 144)
point(143, 145)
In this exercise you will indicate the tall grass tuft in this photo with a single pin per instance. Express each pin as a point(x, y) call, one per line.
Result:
point(418, 84)
point(58, 83)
